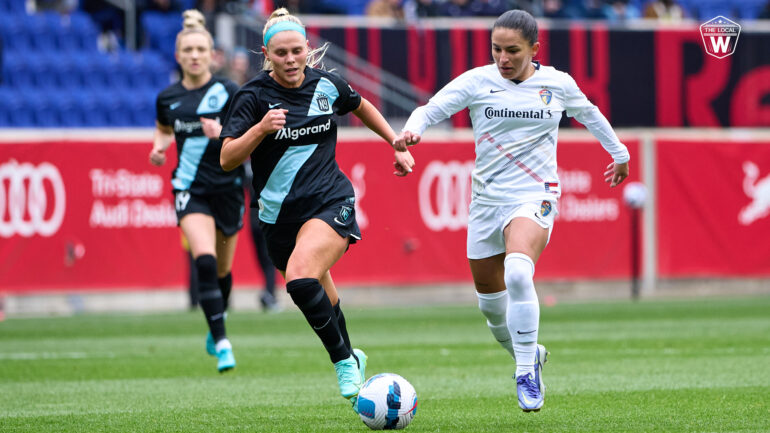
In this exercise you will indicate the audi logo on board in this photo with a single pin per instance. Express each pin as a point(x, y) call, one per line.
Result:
point(444, 195)
point(32, 199)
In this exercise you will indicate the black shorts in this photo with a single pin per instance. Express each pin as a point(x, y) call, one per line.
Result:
point(226, 208)
point(281, 238)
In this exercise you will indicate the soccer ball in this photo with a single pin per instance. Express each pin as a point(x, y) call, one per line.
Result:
point(387, 401)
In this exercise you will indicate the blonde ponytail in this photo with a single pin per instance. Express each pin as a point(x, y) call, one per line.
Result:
point(193, 21)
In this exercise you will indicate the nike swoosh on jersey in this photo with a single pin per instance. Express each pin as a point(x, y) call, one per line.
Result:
point(496, 91)
point(174, 106)
point(273, 105)
point(338, 221)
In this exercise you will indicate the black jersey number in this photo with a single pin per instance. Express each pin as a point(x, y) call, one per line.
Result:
point(182, 198)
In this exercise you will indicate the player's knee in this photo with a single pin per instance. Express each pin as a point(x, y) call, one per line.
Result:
point(305, 292)
point(297, 269)
point(207, 267)
point(519, 270)
point(491, 307)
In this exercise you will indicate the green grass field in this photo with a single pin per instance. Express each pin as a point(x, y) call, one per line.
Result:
point(653, 366)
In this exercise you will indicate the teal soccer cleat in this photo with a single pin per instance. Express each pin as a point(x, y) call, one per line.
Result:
point(348, 377)
point(211, 347)
point(361, 358)
point(225, 360)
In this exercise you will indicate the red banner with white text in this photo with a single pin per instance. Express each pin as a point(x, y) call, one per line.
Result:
point(96, 215)
point(713, 208)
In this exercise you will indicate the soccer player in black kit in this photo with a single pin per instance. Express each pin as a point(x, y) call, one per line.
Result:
point(283, 119)
point(209, 201)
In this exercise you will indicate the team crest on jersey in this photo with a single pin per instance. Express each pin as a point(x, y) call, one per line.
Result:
point(545, 96)
point(323, 102)
point(545, 208)
point(213, 101)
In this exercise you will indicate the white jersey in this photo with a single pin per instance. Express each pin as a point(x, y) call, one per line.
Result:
point(515, 127)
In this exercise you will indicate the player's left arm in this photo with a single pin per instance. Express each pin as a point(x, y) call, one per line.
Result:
point(578, 106)
point(373, 119)
point(599, 126)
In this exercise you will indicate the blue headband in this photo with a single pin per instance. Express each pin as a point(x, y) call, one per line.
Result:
point(282, 27)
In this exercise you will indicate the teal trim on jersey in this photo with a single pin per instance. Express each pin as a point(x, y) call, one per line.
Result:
point(214, 99)
point(279, 183)
point(192, 152)
point(323, 98)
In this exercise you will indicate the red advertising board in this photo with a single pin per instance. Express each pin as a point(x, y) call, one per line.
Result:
point(713, 208)
point(95, 215)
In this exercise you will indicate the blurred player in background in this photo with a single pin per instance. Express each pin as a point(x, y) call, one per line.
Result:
point(238, 68)
point(283, 119)
point(515, 106)
point(209, 202)
point(268, 299)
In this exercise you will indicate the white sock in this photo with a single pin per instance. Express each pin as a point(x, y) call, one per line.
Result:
point(494, 307)
point(523, 310)
point(223, 344)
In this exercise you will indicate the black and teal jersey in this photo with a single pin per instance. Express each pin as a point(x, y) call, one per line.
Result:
point(295, 172)
point(198, 169)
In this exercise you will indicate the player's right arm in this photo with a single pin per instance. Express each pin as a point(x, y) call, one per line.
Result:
point(245, 127)
point(452, 98)
point(236, 150)
point(161, 140)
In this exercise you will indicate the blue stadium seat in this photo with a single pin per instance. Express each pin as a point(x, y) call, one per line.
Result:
point(750, 9)
point(98, 68)
point(88, 105)
point(85, 28)
point(42, 68)
point(111, 103)
point(68, 74)
point(141, 105)
point(16, 72)
point(67, 111)
point(12, 6)
point(161, 29)
point(11, 103)
point(15, 36)
point(38, 103)
point(708, 9)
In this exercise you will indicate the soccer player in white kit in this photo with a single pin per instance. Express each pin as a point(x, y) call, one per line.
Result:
point(515, 106)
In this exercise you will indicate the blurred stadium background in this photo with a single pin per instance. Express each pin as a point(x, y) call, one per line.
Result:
point(87, 224)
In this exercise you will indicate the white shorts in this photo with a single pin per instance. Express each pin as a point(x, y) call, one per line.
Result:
point(487, 222)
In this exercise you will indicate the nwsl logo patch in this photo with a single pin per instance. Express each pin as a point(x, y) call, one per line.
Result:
point(323, 103)
point(545, 96)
